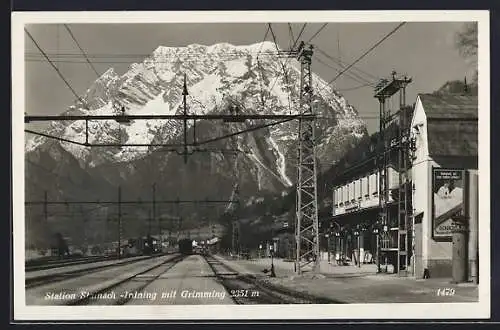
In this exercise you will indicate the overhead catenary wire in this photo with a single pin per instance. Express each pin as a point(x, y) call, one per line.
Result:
point(55, 68)
point(295, 43)
point(351, 75)
point(81, 49)
point(317, 33)
point(341, 63)
point(283, 68)
point(300, 34)
point(263, 40)
point(290, 30)
point(235, 52)
point(288, 59)
point(365, 53)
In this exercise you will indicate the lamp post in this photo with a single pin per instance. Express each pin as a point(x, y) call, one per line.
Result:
point(328, 246)
point(271, 249)
point(356, 234)
point(337, 245)
point(375, 231)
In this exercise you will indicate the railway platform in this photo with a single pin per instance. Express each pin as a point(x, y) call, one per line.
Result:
point(352, 284)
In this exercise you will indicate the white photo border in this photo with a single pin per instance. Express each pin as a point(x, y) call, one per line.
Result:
point(478, 310)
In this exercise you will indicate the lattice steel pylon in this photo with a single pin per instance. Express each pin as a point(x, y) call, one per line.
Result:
point(236, 224)
point(393, 238)
point(306, 226)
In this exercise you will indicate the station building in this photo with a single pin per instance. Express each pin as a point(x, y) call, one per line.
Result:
point(356, 193)
point(443, 180)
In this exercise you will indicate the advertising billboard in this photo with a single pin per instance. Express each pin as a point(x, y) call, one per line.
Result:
point(448, 187)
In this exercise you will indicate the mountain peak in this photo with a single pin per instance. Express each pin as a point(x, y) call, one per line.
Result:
point(265, 46)
point(109, 73)
point(216, 74)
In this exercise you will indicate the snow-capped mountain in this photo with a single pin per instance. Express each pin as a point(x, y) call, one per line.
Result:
point(217, 77)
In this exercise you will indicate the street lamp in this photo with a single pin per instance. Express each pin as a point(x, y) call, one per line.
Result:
point(271, 249)
point(338, 245)
point(357, 235)
point(328, 245)
point(376, 230)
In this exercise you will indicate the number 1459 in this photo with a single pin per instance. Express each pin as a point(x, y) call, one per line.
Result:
point(446, 292)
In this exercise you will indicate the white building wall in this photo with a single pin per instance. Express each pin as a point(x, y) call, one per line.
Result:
point(362, 191)
point(353, 189)
point(420, 173)
point(345, 194)
point(357, 189)
point(433, 252)
point(364, 187)
point(393, 177)
point(373, 184)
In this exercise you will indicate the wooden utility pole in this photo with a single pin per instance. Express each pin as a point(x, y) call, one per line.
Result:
point(154, 214)
point(45, 208)
point(119, 222)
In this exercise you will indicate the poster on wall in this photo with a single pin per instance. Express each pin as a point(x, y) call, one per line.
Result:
point(448, 187)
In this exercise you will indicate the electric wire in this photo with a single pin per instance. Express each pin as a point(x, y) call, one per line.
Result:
point(81, 49)
point(55, 67)
point(350, 75)
point(343, 64)
point(316, 34)
point(292, 38)
point(289, 57)
point(366, 53)
point(283, 68)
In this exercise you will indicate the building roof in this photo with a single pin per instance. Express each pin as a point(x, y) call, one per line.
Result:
point(451, 124)
point(449, 106)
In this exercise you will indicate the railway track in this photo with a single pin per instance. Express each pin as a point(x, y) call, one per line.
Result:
point(35, 281)
point(71, 262)
point(248, 289)
point(125, 289)
point(62, 263)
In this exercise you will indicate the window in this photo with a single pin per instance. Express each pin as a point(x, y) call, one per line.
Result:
point(374, 183)
point(346, 194)
point(367, 191)
point(359, 187)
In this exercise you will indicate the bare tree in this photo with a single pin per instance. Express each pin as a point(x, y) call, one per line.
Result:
point(466, 40)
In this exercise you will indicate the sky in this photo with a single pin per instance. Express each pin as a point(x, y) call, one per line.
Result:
point(426, 52)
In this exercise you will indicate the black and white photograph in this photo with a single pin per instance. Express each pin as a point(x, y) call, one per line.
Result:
point(184, 165)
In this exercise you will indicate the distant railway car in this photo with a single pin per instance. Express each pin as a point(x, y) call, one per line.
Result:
point(59, 246)
point(132, 249)
point(186, 246)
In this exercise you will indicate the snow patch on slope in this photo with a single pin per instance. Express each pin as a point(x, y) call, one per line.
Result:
point(236, 68)
point(281, 162)
point(206, 91)
point(263, 166)
point(214, 73)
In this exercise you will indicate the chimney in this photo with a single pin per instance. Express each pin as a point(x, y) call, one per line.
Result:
point(466, 88)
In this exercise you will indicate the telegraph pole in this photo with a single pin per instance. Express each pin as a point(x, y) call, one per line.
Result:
point(307, 228)
point(154, 213)
point(45, 208)
point(149, 223)
point(184, 102)
point(119, 222)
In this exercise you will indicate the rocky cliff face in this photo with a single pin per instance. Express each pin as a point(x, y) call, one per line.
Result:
point(218, 77)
